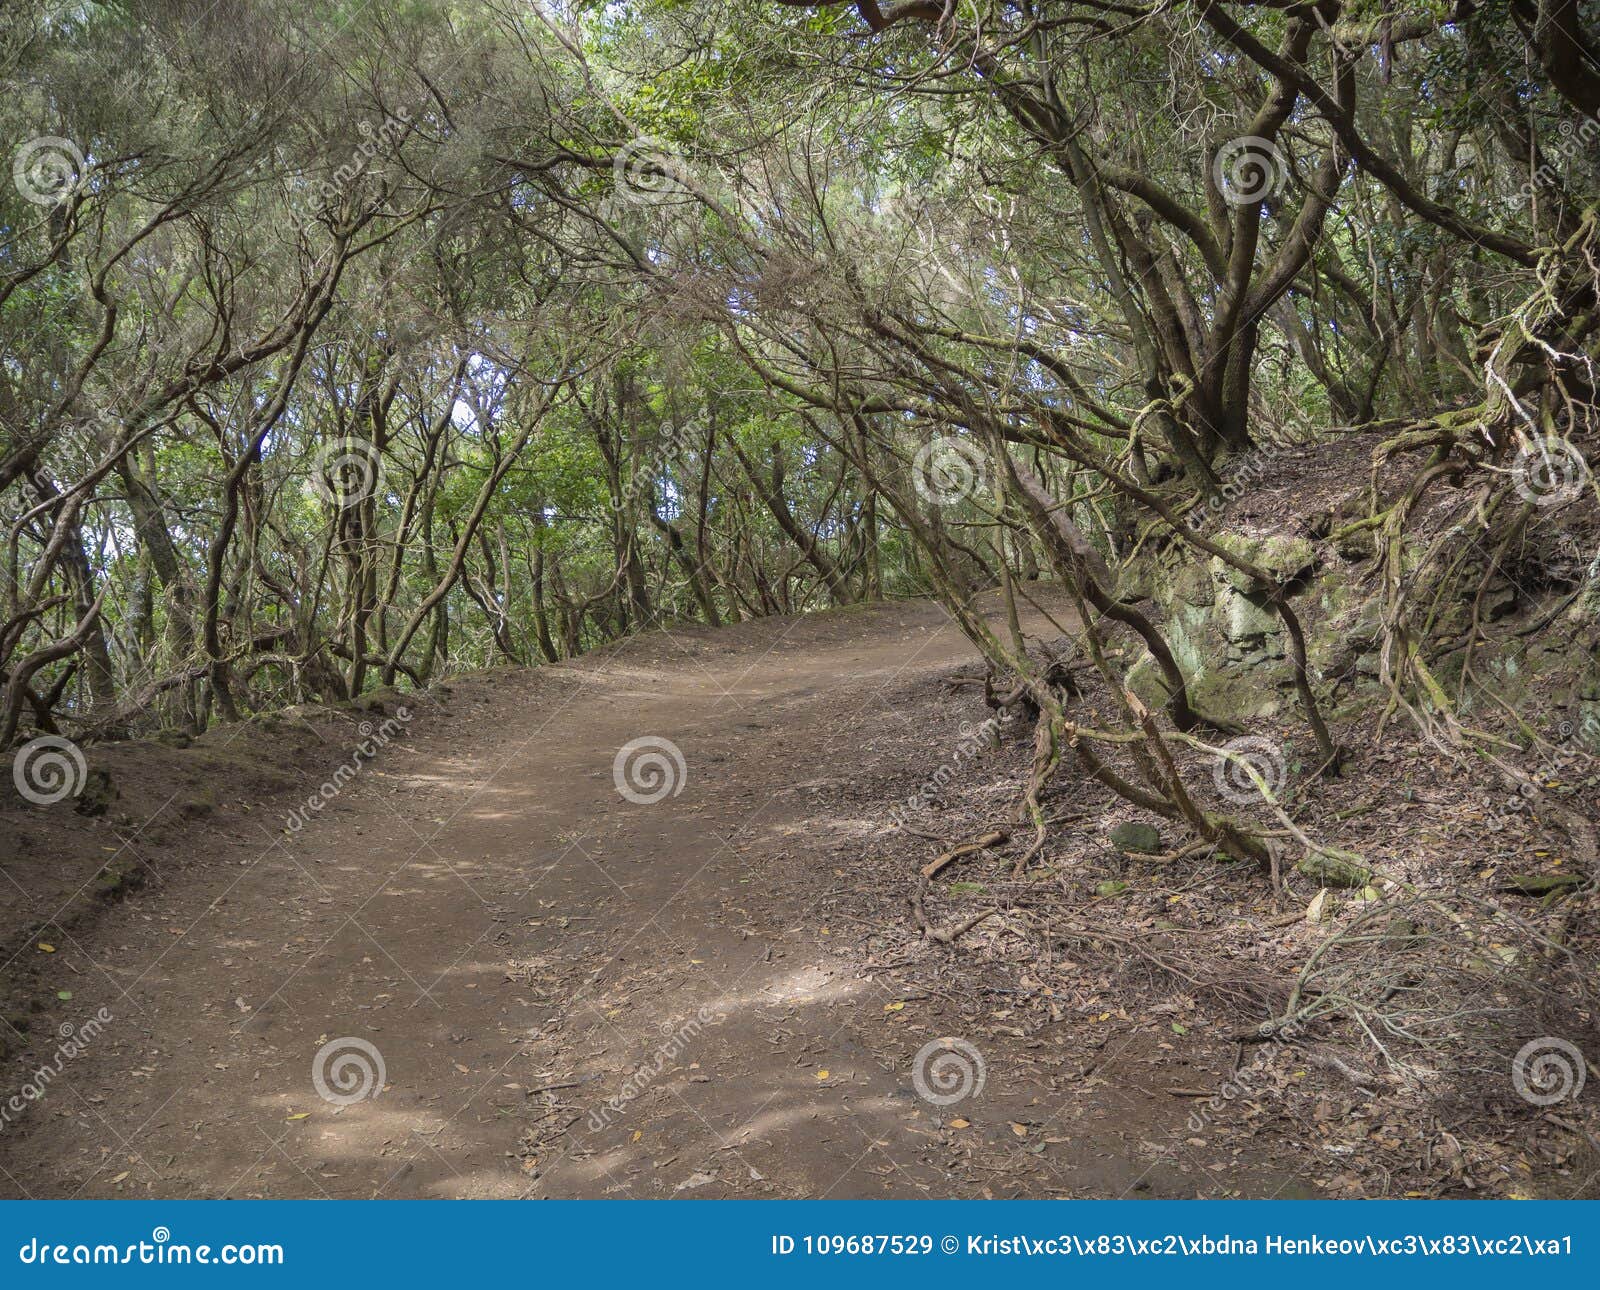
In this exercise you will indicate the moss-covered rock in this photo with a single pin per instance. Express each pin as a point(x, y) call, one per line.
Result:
point(1540, 884)
point(1190, 584)
point(1136, 837)
point(1284, 558)
point(1241, 693)
point(1144, 678)
point(1588, 726)
point(1247, 617)
point(1335, 868)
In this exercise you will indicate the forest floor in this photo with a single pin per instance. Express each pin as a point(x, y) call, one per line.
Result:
point(719, 993)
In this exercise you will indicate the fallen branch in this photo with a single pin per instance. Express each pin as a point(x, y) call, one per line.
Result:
point(993, 838)
point(951, 932)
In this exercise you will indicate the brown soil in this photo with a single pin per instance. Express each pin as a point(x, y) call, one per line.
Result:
point(717, 994)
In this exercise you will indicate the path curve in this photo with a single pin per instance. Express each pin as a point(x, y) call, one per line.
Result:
point(569, 993)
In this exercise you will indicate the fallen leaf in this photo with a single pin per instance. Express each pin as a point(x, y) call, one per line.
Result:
point(46, 949)
point(1021, 1130)
point(304, 1115)
point(960, 1124)
point(893, 1007)
point(822, 1074)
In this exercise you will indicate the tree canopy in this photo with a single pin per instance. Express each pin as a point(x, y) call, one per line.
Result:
point(344, 345)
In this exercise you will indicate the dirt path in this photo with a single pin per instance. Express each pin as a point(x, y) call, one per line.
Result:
point(572, 993)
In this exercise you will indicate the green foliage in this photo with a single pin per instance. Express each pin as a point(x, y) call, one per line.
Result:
point(292, 233)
